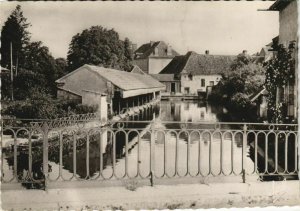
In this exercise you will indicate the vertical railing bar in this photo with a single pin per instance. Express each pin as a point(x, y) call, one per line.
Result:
point(296, 152)
point(232, 154)
point(165, 155)
point(87, 155)
point(244, 149)
point(30, 156)
point(15, 156)
point(221, 153)
point(126, 154)
point(210, 153)
point(60, 153)
point(286, 153)
point(45, 129)
point(74, 155)
point(266, 153)
point(276, 153)
point(199, 154)
point(152, 153)
point(255, 153)
point(114, 152)
point(176, 154)
point(101, 153)
point(138, 155)
point(188, 154)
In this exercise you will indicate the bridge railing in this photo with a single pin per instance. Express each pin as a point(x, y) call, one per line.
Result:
point(149, 149)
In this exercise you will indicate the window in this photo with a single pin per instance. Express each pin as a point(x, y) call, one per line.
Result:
point(202, 82)
point(190, 77)
point(211, 83)
point(186, 90)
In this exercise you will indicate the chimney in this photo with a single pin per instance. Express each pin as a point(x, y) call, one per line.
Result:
point(207, 52)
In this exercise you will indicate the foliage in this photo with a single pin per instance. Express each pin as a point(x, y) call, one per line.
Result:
point(98, 46)
point(41, 106)
point(40, 61)
point(236, 87)
point(26, 81)
point(61, 67)
point(36, 66)
point(279, 72)
point(14, 31)
point(241, 60)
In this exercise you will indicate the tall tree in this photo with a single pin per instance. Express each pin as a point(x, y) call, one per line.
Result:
point(97, 46)
point(14, 31)
point(40, 61)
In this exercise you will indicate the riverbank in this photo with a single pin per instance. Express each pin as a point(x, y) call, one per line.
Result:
point(185, 196)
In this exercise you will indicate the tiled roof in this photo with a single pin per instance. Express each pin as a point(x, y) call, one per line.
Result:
point(146, 50)
point(126, 80)
point(199, 64)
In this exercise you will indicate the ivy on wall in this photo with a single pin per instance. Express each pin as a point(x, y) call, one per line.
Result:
point(280, 71)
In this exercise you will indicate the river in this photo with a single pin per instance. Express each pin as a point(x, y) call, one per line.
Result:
point(165, 147)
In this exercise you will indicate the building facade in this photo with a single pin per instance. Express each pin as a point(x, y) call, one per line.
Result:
point(154, 56)
point(89, 84)
point(197, 72)
point(288, 29)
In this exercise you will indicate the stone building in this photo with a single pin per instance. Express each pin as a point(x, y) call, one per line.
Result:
point(288, 28)
point(197, 72)
point(154, 56)
point(90, 84)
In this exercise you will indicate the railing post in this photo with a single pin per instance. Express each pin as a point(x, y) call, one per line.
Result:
point(244, 155)
point(45, 129)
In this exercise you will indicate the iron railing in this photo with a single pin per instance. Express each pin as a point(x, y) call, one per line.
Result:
point(148, 149)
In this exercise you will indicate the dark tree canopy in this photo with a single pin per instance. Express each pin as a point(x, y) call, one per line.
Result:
point(98, 46)
point(14, 31)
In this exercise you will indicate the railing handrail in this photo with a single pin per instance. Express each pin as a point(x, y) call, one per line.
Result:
point(161, 121)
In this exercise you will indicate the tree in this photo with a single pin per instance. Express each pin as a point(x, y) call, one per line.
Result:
point(61, 67)
point(97, 46)
point(40, 61)
point(14, 31)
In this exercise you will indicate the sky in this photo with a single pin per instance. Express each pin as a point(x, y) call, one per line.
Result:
point(222, 27)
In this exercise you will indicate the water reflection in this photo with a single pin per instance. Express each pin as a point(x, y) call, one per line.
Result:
point(166, 111)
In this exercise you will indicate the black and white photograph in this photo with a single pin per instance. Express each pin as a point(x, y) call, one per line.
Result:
point(133, 105)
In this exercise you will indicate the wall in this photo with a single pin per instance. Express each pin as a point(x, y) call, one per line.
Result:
point(168, 86)
point(91, 98)
point(83, 79)
point(288, 23)
point(288, 32)
point(195, 83)
point(142, 63)
point(157, 64)
point(65, 95)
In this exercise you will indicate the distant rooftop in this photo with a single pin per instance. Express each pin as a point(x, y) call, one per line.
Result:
point(155, 49)
point(199, 64)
